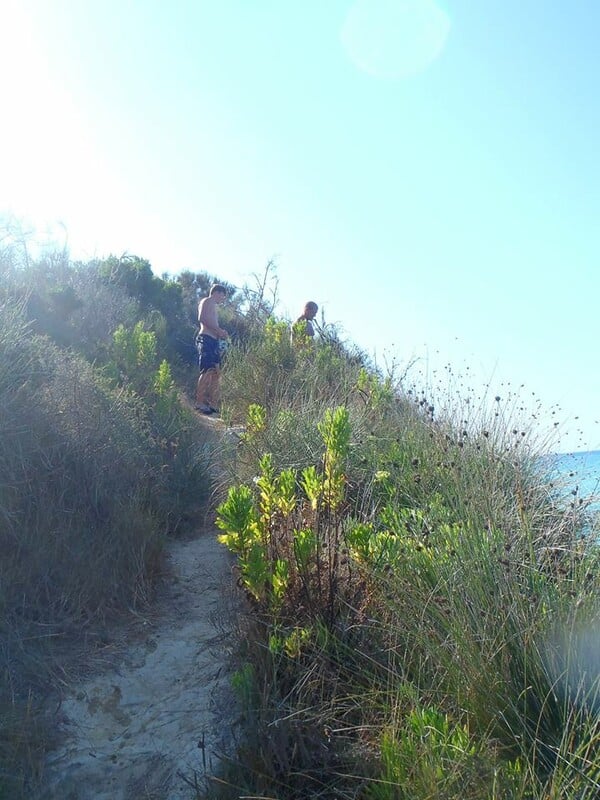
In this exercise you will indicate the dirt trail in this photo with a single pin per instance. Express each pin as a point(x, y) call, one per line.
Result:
point(154, 723)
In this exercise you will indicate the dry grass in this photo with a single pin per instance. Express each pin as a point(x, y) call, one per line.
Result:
point(91, 482)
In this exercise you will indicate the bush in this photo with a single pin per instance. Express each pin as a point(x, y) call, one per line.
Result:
point(92, 478)
point(409, 593)
point(75, 459)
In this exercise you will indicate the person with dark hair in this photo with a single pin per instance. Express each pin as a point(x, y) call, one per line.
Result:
point(209, 353)
point(303, 326)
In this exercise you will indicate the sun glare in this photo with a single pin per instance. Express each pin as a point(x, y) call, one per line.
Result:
point(394, 38)
point(53, 175)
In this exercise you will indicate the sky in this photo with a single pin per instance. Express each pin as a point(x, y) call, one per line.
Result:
point(427, 172)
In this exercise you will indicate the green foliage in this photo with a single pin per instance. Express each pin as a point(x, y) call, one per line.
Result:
point(285, 492)
point(246, 521)
point(377, 549)
point(312, 485)
point(291, 644)
point(378, 393)
point(305, 549)
point(166, 396)
point(335, 430)
point(422, 607)
point(167, 304)
point(261, 526)
point(267, 489)
point(93, 471)
point(134, 354)
point(300, 336)
point(255, 570)
point(243, 682)
point(360, 537)
point(237, 517)
point(134, 275)
point(283, 377)
point(280, 581)
point(256, 418)
point(277, 337)
point(432, 757)
point(399, 571)
point(164, 386)
point(70, 304)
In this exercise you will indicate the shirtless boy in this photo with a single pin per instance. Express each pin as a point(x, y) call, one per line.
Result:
point(207, 391)
point(304, 324)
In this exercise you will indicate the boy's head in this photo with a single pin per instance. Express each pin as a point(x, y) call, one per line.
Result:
point(310, 310)
point(219, 292)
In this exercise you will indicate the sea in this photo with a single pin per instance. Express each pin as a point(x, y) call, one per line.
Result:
point(577, 474)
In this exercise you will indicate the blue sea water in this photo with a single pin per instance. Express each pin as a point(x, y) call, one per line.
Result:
point(579, 473)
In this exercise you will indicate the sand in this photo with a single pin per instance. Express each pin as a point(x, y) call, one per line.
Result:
point(154, 723)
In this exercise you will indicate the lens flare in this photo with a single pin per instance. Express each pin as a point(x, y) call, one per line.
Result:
point(394, 38)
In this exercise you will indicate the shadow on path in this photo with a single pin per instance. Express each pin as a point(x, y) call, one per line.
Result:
point(151, 726)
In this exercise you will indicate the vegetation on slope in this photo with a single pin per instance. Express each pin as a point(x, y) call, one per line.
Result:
point(421, 606)
point(101, 459)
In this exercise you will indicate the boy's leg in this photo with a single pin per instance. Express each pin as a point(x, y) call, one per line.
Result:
point(202, 389)
point(207, 390)
point(212, 393)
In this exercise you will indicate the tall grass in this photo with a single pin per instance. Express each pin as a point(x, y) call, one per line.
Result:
point(423, 609)
point(93, 477)
point(425, 613)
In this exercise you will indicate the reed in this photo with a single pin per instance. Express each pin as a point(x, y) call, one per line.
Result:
point(424, 606)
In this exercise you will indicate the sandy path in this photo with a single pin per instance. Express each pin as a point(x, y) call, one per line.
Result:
point(147, 727)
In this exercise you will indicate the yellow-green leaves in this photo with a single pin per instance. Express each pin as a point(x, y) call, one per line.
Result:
point(255, 570)
point(246, 531)
point(266, 487)
point(134, 348)
point(359, 538)
point(285, 492)
point(292, 643)
point(282, 527)
point(374, 549)
point(276, 493)
point(164, 385)
point(256, 418)
point(377, 392)
point(305, 546)
point(280, 579)
point(335, 430)
point(311, 483)
point(237, 517)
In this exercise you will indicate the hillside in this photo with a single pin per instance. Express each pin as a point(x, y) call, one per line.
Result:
point(418, 594)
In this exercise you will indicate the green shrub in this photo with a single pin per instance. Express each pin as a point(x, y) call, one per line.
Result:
point(367, 580)
point(272, 372)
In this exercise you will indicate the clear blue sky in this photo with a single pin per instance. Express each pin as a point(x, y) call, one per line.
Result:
point(428, 172)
